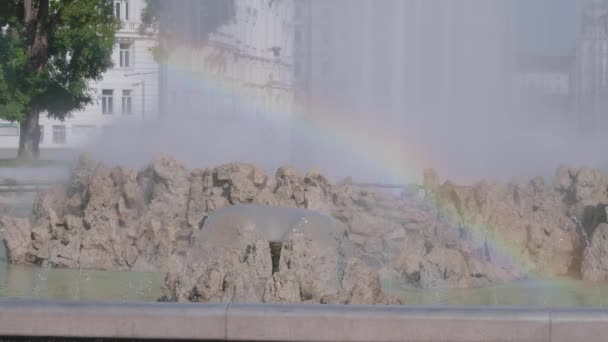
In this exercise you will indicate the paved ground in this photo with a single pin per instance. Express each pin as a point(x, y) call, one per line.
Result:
point(54, 168)
point(51, 154)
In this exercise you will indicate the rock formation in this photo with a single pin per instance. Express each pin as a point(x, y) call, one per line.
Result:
point(453, 236)
point(264, 254)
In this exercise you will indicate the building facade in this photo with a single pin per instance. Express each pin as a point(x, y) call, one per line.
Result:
point(127, 94)
point(237, 79)
point(592, 66)
point(248, 59)
point(394, 65)
point(546, 83)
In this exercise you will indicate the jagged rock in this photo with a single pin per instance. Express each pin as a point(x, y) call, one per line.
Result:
point(444, 267)
point(233, 261)
point(595, 257)
point(266, 197)
point(590, 186)
point(100, 211)
point(201, 182)
point(564, 178)
point(168, 184)
point(317, 192)
point(526, 218)
point(283, 287)
point(289, 187)
point(17, 235)
point(117, 218)
point(430, 181)
point(361, 285)
point(49, 203)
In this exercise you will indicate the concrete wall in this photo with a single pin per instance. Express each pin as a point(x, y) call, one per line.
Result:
point(261, 322)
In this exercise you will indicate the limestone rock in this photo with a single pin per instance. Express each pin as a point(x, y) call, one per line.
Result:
point(595, 257)
point(234, 262)
point(17, 235)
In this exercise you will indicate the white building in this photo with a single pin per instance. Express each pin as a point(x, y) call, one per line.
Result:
point(127, 94)
point(592, 66)
point(237, 78)
point(545, 83)
point(250, 56)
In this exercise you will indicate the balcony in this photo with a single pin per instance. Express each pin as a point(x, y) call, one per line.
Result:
point(129, 27)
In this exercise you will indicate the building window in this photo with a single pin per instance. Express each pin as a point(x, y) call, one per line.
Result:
point(59, 134)
point(117, 9)
point(125, 55)
point(126, 102)
point(121, 9)
point(83, 130)
point(107, 101)
point(41, 140)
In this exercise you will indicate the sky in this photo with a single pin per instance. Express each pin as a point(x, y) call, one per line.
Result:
point(544, 27)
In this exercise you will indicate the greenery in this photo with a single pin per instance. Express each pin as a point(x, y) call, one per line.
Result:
point(49, 51)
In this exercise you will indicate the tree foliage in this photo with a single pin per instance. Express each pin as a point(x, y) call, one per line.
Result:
point(49, 51)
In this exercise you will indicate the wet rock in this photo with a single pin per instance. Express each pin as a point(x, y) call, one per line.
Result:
point(595, 257)
point(201, 183)
point(265, 197)
point(457, 236)
point(444, 268)
point(168, 184)
point(361, 285)
point(232, 261)
point(564, 178)
point(289, 189)
point(17, 235)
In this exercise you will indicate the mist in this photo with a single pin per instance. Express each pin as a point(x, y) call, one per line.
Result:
point(433, 78)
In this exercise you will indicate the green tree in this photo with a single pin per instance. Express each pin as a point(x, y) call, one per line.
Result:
point(49, 51)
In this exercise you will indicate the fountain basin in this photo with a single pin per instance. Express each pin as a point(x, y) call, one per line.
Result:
point(272, 322)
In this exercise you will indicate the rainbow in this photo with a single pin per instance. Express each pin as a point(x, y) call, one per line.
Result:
point(400, 160)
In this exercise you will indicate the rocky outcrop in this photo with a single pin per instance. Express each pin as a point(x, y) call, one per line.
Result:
point(452, 236)
point(542, 228)
point(235, 258)
point(595, 258)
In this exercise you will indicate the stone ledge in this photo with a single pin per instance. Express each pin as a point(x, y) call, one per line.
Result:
point(590, 325)
point(384, 323)
point(112, 320)
point(269, 322)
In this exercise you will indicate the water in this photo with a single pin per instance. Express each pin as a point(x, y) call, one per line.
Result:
point(73, 284)
point(45, 282)
point(580, 226)
point(557, 292)
point(18, 281)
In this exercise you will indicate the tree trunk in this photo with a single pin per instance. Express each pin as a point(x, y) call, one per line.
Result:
point(29, 137)
point(36, 20)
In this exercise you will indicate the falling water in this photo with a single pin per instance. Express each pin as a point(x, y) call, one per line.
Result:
point(578, 224)
point(41, 278)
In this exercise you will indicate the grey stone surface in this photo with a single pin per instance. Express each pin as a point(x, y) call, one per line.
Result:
point(91, 320)
point(270, 322)
point(364, 323)
point(590, 325)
